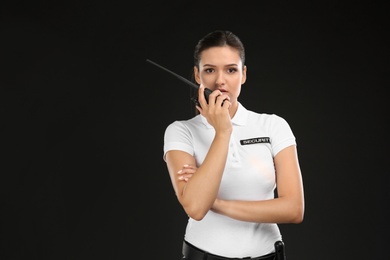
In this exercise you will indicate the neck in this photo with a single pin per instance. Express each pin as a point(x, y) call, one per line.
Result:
point(233, 109)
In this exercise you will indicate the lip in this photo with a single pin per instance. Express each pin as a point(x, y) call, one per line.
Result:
point(222, 90)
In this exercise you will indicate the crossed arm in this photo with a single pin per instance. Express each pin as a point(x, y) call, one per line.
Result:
point(197, 188)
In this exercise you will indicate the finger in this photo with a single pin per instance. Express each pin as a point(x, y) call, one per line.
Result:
point(214, 96)
point(185, 177)
point(225, 101)
point(187, 171)
point(187, 166)
point(221, 99)
point(199, 109)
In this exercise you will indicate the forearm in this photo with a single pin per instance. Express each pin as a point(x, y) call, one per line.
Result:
point(278, 210)
point(201, 190)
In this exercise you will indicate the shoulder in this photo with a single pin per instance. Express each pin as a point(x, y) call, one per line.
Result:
point(265, 118)
point(255, 119)
point(183, 125)
point(271, 123)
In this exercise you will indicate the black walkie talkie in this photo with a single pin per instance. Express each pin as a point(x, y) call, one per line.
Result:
point(207, 91)
point(279, 250)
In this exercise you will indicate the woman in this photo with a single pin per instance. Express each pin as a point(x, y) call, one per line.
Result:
point(226, 163)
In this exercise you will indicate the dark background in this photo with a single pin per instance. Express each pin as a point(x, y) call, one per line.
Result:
point(83, 117)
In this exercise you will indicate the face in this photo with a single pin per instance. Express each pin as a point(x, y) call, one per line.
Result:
point(221, 68)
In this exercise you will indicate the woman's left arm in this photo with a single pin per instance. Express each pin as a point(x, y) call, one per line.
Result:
point(288, 207)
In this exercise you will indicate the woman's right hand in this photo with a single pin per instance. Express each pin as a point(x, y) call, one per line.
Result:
point(216, 111)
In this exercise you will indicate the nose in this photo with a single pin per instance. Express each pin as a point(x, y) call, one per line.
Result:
point(220, 80)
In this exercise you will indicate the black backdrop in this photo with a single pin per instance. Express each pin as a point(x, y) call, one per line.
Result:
point(83, 116)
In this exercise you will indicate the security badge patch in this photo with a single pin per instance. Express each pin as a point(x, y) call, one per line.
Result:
point(257, 140)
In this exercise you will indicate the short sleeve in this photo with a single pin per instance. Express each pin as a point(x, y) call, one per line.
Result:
point(178, 137)
point(281, 135)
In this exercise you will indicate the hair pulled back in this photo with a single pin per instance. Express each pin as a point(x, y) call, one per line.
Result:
point(218, 38)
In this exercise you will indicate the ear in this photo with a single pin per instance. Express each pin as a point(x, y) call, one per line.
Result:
point(243, 75)
point(196, 75)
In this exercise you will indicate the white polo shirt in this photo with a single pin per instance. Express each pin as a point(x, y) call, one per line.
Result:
point(249, 175)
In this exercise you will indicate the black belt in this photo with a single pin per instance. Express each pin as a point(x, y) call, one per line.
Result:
point(191, 252)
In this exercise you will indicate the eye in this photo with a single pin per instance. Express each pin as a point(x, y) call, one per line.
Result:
point(231, 70)
point(209, 70)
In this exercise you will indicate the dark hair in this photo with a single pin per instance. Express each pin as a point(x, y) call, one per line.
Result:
point(219, 38)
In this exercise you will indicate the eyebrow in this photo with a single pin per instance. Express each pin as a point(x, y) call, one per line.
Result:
point(227, 65)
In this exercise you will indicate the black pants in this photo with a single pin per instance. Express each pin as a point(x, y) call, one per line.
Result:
point(190, 252)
